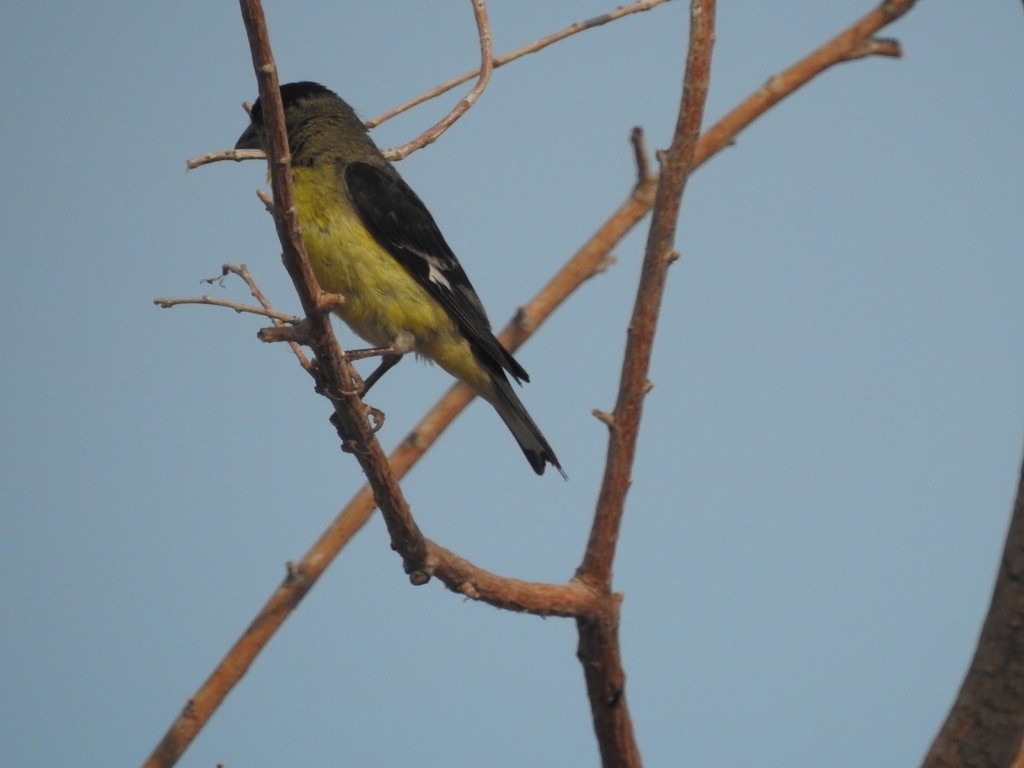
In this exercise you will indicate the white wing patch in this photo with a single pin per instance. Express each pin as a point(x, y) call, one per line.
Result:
point(435, 276)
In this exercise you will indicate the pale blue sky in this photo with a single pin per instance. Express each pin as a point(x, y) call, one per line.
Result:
point(824, 476)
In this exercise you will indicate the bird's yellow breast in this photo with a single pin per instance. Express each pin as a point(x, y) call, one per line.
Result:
point(382, 302)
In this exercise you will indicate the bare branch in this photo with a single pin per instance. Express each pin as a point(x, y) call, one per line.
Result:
point(986, 722)
point(676, 163)
point(212, 301)
point(335, 378)
point(846, 46)
point(393, 154)
point(238, 155)
point(599, 651)
point(486, 65)
point(540, 599)
point(544, 42)
point(590, 260)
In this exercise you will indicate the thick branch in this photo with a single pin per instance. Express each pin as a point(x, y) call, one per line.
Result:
point(985, 726)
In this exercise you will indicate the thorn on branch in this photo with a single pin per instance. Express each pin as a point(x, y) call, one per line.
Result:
point(877, 46)
point(604, 417)
point(643, 166)
point(469, 590)
point(350, 445)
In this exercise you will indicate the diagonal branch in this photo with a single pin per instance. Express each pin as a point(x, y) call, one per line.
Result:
point(854, 42)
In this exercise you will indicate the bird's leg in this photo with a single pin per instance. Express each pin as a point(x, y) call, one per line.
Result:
point(359, 354)
point(403, 342)
point(388, 361)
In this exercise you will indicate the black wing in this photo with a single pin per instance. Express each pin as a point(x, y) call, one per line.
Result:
point(399, 220)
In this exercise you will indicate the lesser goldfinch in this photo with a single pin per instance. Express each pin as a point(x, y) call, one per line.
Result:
point(371, 239)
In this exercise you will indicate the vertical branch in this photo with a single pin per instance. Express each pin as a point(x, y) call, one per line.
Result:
point(335, 377)
point(624, 423)
point(599, 651)
point(285, 216)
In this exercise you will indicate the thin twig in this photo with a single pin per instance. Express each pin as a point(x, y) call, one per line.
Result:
point(544, 42)
point(392, 154)
point(212, 301)
point(238, 155)
point(257, 293)
point(431, 135)
point(265, 308)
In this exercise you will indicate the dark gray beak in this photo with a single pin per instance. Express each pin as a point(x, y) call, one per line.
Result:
point(249, 139)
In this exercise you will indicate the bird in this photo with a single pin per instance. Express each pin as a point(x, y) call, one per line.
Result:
point(370, 238)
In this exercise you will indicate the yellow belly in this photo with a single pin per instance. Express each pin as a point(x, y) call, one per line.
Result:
point(383, 304)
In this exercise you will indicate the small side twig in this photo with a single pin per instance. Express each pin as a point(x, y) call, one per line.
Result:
point(213, 301)
point(643, 165)
point(290, 328)
point(238, 155)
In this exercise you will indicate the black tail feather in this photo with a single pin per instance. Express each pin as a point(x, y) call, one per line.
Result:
point(537, 450)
